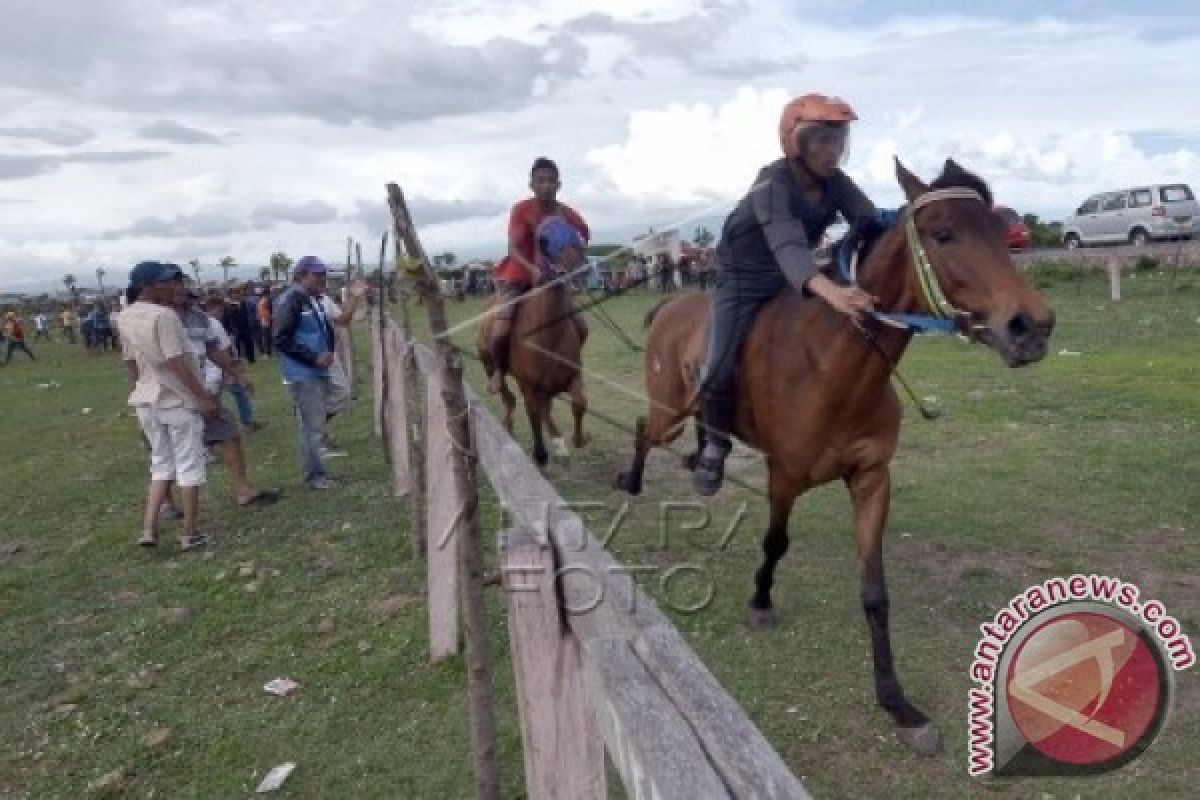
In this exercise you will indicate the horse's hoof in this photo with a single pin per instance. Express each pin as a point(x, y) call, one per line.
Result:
point(690, 461)
point(541, 458)
point(581, 442)
point(925, 739)
point(624, 482)
point(761, 619)
point(562, 456)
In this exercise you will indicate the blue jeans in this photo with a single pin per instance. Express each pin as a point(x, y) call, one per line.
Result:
point(309, 399)
point(244, 407)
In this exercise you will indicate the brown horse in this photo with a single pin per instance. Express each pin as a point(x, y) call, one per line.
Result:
point(545, 358)
point(815, 397)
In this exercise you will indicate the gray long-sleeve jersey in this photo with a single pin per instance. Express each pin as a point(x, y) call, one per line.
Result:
point(773, 228)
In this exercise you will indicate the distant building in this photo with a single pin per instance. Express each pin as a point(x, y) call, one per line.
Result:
point(651, 245)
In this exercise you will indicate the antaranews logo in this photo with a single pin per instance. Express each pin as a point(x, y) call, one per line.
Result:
point(1074, 677)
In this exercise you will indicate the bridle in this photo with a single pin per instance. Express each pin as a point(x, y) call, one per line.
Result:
point(941, 316)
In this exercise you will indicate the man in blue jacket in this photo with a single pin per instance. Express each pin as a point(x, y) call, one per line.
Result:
point(303, 335)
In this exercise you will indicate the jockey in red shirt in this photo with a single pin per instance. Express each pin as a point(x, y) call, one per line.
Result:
point(518, 272)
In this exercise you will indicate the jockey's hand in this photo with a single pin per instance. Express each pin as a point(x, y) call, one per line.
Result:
point(849, 300)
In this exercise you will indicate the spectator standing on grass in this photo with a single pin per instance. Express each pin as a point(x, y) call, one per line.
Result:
point(14, 332)
point(69, 319)
point(237, 324)
point(237, 380)
point(168, 396)
point(341, 317)
point(262, 310)
point(41, 326)
point(212, 348)
point(303, 335)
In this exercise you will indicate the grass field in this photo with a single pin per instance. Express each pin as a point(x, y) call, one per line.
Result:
point(1086, 462)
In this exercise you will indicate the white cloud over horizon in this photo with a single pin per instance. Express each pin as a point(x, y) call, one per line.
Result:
point(184, 130)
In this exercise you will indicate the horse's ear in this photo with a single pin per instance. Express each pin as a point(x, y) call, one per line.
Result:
point(912, 185)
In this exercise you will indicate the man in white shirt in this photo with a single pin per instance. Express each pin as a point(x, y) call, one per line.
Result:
point(168, 396)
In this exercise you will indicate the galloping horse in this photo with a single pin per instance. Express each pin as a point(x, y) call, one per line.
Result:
point(814, 393)
point(545, 358)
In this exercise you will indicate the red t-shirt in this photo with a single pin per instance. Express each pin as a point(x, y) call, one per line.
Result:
point(522, 227)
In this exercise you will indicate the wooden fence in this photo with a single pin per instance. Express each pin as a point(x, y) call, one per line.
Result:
point(594, 659)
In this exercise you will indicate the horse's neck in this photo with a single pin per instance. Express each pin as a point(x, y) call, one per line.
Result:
point(887, 274)
point(543, 310)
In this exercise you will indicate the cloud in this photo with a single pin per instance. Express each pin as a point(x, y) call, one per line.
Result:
point(692, 39)
point(205, 224)
point(247, 60)
point(19, 166)
point(218, 221)
point(426, 211)
point(314, 212)
point(67, 134)
point(374, 215)
point(167, 131)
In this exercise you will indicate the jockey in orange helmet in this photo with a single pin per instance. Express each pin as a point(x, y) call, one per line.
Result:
point(765, 247)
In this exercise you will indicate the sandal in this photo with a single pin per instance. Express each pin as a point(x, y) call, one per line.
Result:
point(148, 539)
point(193, 541)
point(263, 497)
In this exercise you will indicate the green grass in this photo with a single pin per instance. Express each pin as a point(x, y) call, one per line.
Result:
point(1083, 462)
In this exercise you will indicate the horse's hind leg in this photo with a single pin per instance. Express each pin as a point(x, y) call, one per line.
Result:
point(870, 491)
point(782, 497)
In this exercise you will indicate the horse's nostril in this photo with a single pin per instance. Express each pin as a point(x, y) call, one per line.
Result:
point(1020, 326)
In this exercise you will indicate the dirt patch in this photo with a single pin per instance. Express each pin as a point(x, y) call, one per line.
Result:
point(392, 605)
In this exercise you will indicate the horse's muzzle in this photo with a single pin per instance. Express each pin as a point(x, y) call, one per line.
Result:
point(1021, 339)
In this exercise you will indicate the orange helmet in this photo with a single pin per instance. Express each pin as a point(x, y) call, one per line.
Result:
point(810, 108)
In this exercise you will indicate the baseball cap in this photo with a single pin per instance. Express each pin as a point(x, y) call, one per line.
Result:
point(147, 272)
point(308, 264)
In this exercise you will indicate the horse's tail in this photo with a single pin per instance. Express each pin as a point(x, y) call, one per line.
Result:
point(652, 313)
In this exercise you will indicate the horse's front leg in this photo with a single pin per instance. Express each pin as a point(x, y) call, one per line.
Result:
point(557, 443)
point(782, 496)
point(536, 409)
point(578, 410)
point(870, 492)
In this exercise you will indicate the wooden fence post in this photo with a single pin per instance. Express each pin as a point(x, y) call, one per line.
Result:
point(1114, 279)
point(415, 398)
point(377, 355)
point(444, 507)
point(560, 734)
point(469, 534)
point(397, 411)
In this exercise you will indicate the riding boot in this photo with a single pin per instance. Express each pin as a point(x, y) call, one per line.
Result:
point(500, 343)
point(718, 422)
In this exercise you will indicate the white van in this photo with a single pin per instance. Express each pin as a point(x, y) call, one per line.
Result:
point(1138, 215)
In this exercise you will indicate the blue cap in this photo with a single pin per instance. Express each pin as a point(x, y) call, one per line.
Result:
point(148, 272)
point(308, 264)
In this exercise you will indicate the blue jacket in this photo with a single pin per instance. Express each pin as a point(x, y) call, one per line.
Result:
point(300, 334)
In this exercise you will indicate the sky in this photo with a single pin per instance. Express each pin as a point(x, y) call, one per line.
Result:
point(136, 129)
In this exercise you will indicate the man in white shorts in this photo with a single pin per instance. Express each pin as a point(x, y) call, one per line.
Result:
point(169, 396)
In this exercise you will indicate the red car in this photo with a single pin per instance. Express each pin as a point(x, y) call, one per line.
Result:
point(1017, 233)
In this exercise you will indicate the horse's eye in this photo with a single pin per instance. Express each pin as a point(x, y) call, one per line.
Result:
point(943, 235)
